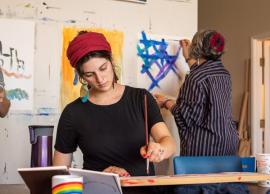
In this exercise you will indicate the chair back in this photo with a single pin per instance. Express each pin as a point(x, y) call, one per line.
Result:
point(248, 164)
point(206, 164)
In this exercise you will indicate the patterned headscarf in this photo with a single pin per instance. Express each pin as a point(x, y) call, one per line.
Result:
point(207, 44)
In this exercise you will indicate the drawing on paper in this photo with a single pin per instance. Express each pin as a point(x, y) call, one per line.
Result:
point(17, 61)
point(71, 88)
point(160, 64)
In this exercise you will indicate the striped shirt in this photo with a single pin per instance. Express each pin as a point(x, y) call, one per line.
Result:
point(203, 112)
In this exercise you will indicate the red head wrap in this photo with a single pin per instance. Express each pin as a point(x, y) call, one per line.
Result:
point(85, 43)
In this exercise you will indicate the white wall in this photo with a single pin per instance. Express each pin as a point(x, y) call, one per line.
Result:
point(164, 17)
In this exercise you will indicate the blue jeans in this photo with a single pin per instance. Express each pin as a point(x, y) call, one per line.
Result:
point(219, 188)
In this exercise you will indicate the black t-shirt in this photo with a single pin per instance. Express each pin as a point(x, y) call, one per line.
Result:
point(109, 135)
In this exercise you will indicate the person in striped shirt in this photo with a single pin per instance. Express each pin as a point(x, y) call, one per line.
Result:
point(203, 111)
point(4, 102)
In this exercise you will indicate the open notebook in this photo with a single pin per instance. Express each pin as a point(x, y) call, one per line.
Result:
point(39, 179)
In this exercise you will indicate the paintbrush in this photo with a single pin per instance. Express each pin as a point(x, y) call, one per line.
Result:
point(146, 131)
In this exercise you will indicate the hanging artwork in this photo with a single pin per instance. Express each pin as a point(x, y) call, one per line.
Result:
point(185, 1)
point(17, 61)
point(71, 88)
point(136, 1)
point(161, 66)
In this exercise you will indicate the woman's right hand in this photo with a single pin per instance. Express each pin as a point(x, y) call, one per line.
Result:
point(116, 170)
point(185, 44)
point(154, 152)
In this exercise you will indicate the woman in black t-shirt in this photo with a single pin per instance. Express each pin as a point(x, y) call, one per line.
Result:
point(107, 124)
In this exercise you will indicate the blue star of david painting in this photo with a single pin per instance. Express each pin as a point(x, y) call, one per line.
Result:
point(154, 55)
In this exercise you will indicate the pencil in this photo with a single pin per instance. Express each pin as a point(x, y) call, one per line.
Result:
point(146, 131)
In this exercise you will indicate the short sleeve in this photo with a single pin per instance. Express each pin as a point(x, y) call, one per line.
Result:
point(2, 83)
point(66, 138)
point(154, 115)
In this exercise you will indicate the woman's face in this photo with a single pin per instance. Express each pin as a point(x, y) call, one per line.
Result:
point(98, 73)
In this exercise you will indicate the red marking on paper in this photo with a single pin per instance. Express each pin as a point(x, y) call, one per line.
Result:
point(132, 182)
point(151, 181)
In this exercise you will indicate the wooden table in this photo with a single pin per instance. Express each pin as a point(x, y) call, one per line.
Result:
point(185, 179)
point(172, 180)
point(22, 189)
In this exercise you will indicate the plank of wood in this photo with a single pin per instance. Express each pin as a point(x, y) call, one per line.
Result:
point(193, 179)
point(243, 120)
point(38, 179)
point(243, 115)
point(243, 129)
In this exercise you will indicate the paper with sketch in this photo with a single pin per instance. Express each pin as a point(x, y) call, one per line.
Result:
point(17, 53)
point(161, 65)
point(95, 182)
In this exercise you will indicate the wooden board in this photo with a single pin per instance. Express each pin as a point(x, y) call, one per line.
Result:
point(38, 179)
point(193, 179)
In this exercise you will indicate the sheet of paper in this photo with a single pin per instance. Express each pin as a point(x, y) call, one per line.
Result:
point(98, 182)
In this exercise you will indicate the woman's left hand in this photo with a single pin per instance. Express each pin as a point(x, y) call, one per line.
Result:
point(154, 152)
point(117, 170)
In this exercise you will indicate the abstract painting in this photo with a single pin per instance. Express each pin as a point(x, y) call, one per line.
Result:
point(71, 88)
point(17, 61)
point(160, 65)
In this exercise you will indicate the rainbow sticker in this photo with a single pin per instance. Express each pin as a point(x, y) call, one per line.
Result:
point(67, 184)
point(68, 188)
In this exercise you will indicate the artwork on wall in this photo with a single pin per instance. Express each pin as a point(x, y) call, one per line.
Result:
point(17, 61)
point(135, 1)
point(185, 1)
point(161, 66)
point(71, 88)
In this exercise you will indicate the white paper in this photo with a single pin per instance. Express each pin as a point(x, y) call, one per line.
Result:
point(17, 61)
point(98, 182)
point(162, 76)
